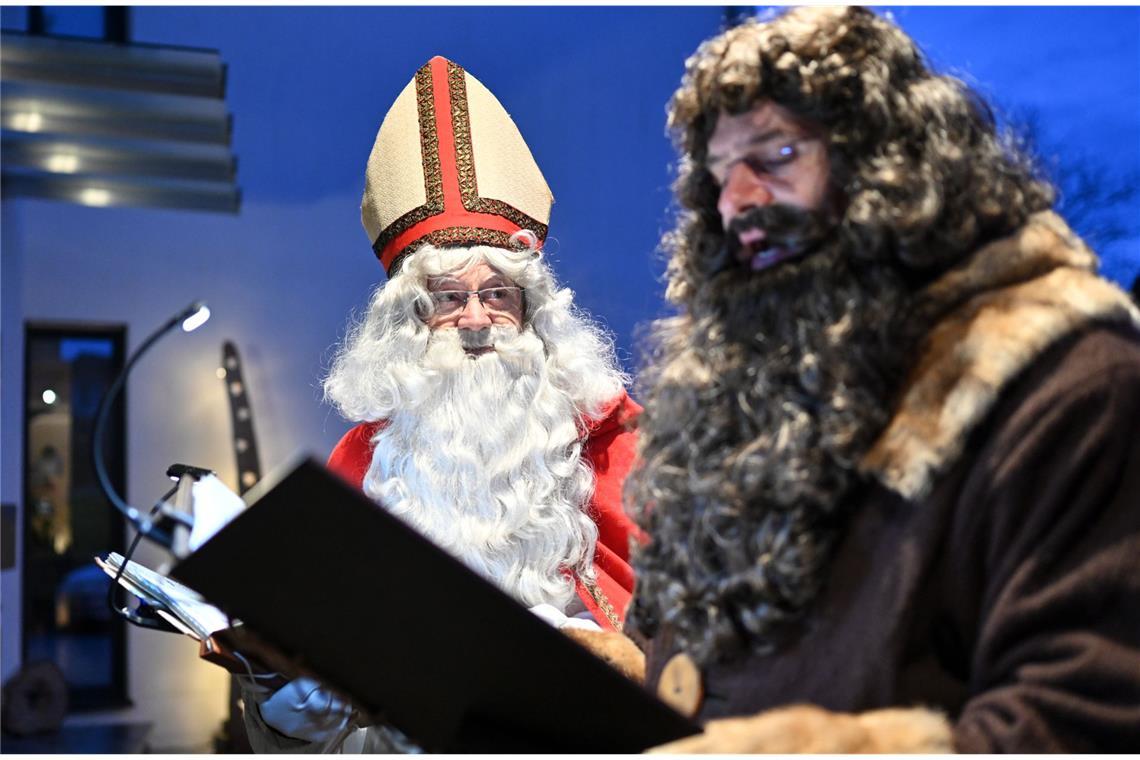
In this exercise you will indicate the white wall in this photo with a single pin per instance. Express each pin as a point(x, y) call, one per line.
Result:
point(11, 426)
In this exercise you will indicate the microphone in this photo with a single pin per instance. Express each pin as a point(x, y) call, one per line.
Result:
point(190, 318)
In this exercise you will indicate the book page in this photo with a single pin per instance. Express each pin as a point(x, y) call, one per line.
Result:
point(194, 613)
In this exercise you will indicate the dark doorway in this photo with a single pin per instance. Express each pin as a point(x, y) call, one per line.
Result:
point(67, 519)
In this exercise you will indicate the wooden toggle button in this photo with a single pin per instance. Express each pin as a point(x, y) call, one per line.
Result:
point(680, 686)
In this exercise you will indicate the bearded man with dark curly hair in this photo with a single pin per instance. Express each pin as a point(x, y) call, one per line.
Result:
point(889, 463)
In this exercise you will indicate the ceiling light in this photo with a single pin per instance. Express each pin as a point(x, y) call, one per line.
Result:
point(27, 122)
point(64, 163)
point(94, 196)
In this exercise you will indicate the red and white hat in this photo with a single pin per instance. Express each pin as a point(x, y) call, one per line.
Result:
point(449, 167)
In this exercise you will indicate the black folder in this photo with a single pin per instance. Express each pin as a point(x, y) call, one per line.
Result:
point(324, 579)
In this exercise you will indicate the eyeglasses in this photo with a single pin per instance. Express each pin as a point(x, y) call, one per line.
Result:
point(501, 299)
point(769, 158)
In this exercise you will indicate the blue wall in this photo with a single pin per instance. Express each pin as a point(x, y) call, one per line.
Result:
point(1076, 72)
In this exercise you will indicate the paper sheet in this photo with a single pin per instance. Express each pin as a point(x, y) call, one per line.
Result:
point(214, 506)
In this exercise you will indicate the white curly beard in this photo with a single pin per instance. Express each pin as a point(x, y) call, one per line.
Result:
point(484, 457)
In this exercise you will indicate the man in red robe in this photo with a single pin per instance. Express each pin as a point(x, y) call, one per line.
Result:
point(503, 437)
point(492, 414)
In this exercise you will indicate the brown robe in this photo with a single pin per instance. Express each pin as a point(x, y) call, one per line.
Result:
point(991, 567)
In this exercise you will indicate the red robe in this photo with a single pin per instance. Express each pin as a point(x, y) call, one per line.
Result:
point(609, 450)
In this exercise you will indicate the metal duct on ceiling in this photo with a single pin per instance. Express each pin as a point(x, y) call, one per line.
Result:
point(110, 124)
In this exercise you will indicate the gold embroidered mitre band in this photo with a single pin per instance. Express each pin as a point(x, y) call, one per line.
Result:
point(449, 167)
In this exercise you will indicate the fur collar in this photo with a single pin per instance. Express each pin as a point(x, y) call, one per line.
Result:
point(1000, 310)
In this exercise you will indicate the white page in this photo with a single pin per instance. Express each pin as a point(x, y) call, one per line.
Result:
point(181, 601)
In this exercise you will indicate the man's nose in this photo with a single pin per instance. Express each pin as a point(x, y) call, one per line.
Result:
point(474, 315)
point(743, 189)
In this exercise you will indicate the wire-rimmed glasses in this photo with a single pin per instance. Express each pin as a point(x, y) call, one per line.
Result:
point(501, 298)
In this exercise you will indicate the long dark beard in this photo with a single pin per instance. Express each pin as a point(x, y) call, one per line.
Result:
point(759, 403)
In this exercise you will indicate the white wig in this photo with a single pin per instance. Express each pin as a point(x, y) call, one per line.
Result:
point(483, 456)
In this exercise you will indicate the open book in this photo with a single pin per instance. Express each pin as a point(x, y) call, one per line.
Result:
point(182, 607)
point(328, 583)
point(187, 611)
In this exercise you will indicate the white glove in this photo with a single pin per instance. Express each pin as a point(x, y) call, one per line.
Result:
point(556, 618)
point(303, 710)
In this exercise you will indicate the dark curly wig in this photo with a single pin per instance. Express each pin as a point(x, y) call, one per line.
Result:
point(766, 389)
point(924, 171)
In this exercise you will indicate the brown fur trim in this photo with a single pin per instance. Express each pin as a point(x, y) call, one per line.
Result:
point(617, 650)
point(1012, 300)
point(810, 729)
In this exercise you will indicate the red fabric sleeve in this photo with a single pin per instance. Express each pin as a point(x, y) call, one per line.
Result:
point(610, 450)
point(352, 455)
